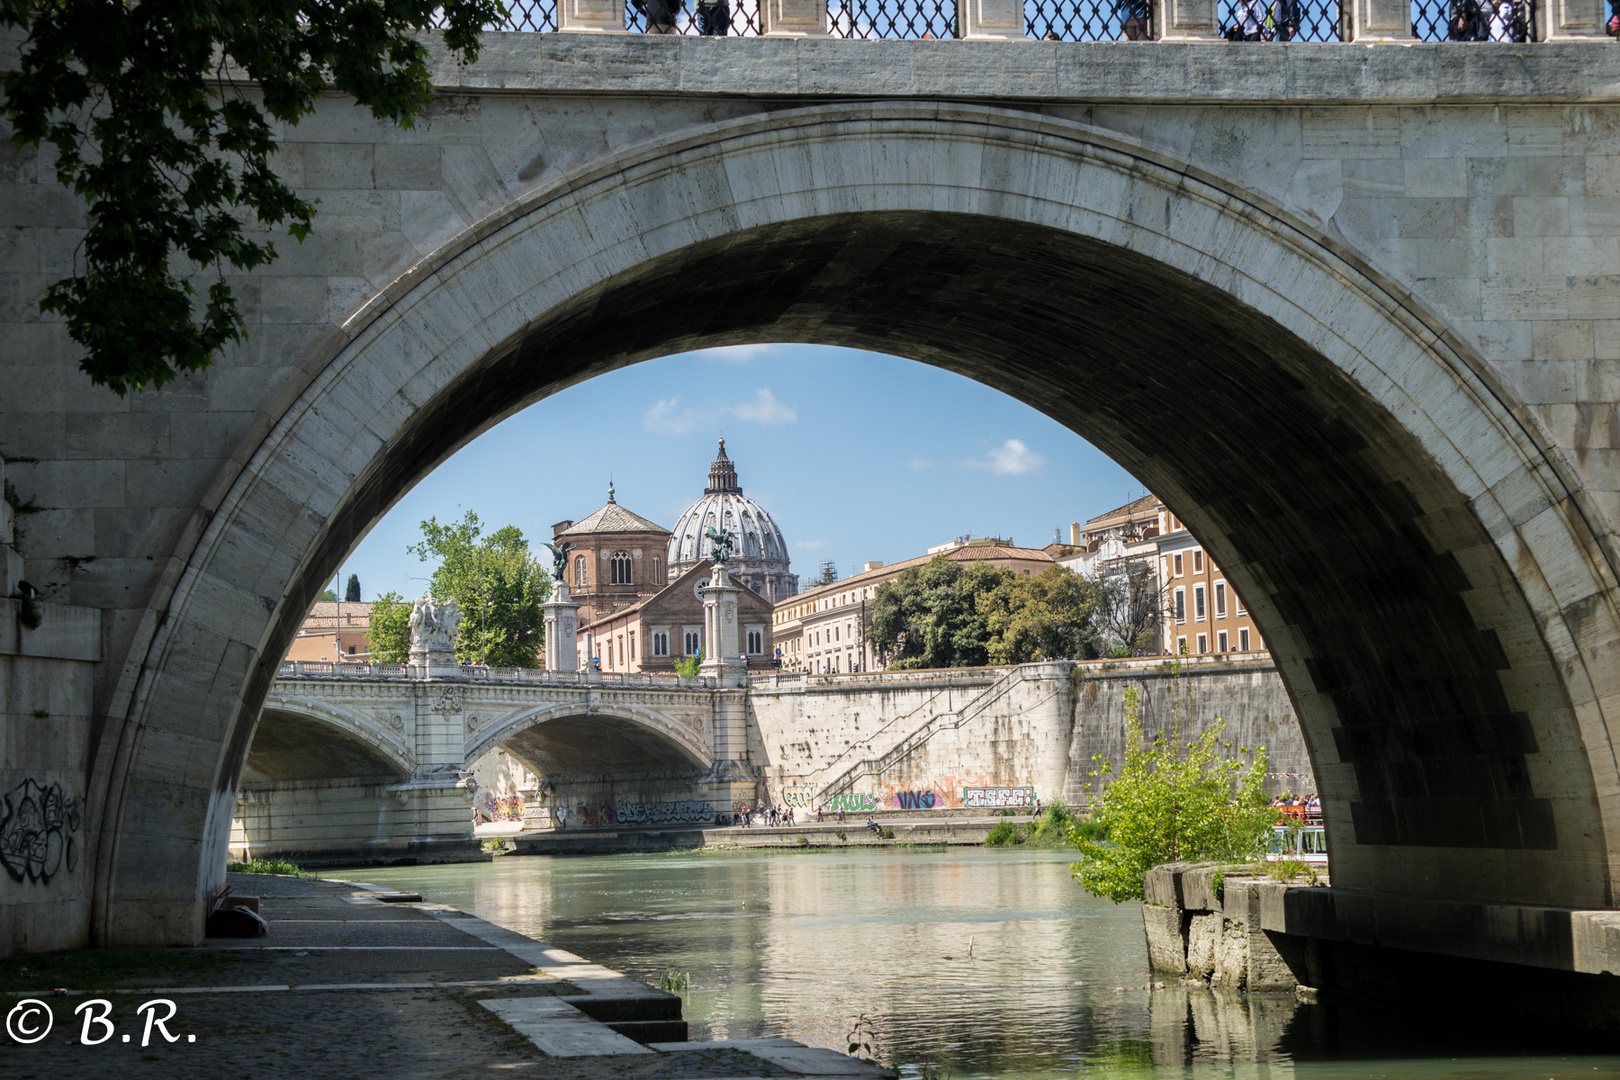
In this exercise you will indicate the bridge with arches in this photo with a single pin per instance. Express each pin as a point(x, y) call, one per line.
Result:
point(1352, 311)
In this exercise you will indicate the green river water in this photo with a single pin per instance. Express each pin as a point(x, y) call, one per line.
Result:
point(967, 963)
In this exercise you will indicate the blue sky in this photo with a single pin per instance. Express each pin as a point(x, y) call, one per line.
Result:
point(857, 455)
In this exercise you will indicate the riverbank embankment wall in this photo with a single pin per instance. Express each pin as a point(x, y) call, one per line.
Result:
point(993, 738)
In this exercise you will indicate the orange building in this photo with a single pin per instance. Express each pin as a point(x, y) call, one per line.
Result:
point(1204, 614)
point(334, 630)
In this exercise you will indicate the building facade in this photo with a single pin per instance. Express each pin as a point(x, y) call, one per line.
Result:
point(334, 630)
point(653, 634)
point(759, 558)
point(617, 560)
point(1203, 614)
point(823, 630)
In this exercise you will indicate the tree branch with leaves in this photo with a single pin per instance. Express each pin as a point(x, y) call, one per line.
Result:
point(171, 151)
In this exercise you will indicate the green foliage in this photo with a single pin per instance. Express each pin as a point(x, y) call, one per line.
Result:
point(1050, 828)
point(1047, 616)
point(351, 591)
point(862, 1034)
point(689, 665)
point(268, 866)
point(945, 614)
point(675, 982)
point(175, 165)
point(389, 634)
point(1172, 801)
point(888, 833)
point(1003, 833)
point(497, 585)
point(1217, 886)
point(326, 596)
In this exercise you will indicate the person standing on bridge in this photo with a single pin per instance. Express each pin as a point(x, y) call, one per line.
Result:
point(1133, 19)
point(713, 18)
point(661, 14)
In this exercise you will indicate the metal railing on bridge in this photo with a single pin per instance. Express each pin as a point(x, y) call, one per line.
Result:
point(1089, 20)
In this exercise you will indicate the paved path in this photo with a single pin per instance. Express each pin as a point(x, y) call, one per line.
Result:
point(347, 985)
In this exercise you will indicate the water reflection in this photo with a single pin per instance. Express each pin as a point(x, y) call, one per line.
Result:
point(968, 964)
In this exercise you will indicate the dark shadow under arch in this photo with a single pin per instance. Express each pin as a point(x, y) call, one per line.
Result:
point(1406, 642)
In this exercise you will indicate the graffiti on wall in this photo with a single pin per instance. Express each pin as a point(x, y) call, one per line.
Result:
point(600, 814)
point(503, 807)
point(914, 800)
point(801, 795)
point(998, 796)
point(853, 803)
point(37, 823)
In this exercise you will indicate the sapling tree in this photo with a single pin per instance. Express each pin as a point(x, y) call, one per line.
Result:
point(1173, 799)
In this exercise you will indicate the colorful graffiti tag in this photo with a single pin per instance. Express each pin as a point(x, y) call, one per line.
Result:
point(802, 795)
point(854, 803)
point(915, 800)
point(998, 796)
point(503, 807)
point(600, 814)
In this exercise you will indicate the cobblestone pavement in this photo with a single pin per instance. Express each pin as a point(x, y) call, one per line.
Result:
point(342, 986)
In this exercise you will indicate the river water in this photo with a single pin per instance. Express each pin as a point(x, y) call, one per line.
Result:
point(964, 963)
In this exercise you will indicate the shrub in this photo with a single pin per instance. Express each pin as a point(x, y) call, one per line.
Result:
point(888, 833)
point(1171, 801)
point(1001, 833)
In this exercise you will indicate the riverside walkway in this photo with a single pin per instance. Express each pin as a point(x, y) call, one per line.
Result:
point(355, 979)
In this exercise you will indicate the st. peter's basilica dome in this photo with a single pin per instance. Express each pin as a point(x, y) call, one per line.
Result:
point(759, 556)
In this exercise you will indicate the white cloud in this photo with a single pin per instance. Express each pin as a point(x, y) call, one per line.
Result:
point(765, 410)
point(734, 354)
point(1011, 458)
point(919, 463)
point(666, 417)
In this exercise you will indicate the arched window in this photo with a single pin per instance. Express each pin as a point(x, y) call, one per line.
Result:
point(579, 571)
point(658, 570)
point(621, 568)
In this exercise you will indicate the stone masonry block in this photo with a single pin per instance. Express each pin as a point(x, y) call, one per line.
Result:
point(1167, 947)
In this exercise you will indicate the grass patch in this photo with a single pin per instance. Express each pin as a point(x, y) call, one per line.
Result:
point(268, 866)
point(107, 969)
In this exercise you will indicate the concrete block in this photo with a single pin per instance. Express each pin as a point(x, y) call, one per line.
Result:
point(1203, 937)
point(1167, 947)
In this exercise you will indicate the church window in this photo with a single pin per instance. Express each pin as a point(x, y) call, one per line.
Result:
point(621, 568)
point(658, 569)
point(692, 642)
point(756, 641)
point(660, 643)
point(579, 572)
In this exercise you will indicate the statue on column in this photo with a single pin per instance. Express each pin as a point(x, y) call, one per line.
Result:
point(723, 539)
point(559, 558)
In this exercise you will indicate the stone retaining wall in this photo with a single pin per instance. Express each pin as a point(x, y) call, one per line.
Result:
point(1204, 922)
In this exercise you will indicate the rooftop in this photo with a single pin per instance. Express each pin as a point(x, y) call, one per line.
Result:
point(612, 518)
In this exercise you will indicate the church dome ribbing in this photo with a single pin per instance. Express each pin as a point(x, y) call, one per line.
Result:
point(759, 554)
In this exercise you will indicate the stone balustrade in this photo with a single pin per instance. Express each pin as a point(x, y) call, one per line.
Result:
point(1076, 20)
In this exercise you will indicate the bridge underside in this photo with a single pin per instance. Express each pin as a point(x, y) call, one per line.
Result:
point(1446, 746)
point(321, 796)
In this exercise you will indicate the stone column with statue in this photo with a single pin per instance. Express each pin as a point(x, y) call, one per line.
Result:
point(561, 615)
point(733, 780)
point(433, 637)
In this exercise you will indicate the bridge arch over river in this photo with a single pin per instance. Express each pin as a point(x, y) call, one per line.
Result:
point(1212, 293)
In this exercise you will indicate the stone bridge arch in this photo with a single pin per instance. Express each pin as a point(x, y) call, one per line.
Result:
point(617, 733)
point(1436, 584)
point(357, 744)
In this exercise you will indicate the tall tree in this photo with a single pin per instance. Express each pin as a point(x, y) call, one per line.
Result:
point(389, 633)
point(351, 592)
point(1047, 616)
point(928, 616)
point(171, 152)
point(1130, 609)
point(497, 584)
